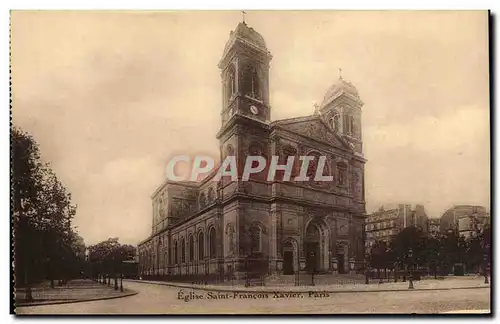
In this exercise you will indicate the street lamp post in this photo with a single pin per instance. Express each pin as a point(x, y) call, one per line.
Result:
point(312, 268)
point(410, 256)
point(121, 282)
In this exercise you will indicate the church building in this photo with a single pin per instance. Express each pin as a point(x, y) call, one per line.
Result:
point(222, 228)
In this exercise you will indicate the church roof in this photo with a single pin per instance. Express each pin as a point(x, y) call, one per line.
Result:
point(249, 34)
point(340, 87)
point(312, 126)
point(293, 120)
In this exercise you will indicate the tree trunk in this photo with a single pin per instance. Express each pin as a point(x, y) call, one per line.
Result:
point(29, 296)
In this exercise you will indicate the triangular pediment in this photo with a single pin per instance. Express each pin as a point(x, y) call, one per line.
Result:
point(313, 127)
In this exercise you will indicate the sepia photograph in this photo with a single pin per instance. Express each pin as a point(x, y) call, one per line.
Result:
point(250, 162)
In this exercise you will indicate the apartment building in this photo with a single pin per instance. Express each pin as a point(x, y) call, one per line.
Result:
point(389, 220)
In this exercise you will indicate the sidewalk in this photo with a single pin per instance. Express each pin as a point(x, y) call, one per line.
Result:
point(74, 291)
point(469, 282)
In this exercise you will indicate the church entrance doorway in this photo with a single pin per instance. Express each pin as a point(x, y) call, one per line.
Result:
point(288, 262)
point(288, 255)
point(312, 248)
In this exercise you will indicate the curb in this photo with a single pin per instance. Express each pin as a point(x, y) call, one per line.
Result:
point(130, 293)
point(298, 291)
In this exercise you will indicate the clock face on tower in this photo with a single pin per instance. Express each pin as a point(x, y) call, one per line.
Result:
point(254, 110)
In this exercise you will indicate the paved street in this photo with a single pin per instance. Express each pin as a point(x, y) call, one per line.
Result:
point(157, 299)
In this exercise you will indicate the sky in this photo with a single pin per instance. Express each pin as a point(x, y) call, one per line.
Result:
point(111, 96)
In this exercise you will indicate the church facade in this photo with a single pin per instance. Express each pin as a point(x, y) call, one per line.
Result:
point(216, 228)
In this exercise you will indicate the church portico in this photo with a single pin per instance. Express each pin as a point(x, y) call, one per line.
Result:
point(290, 261)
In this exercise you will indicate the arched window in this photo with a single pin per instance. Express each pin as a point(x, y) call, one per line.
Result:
point(230, 238)
point(230, 84)
point(288, 151)
point(232, 77)
point(348, 124)
point(176, 254)
point(313, 166)
point(256, 149)
point(341, 173)
point(334, 122)
point(255, 84)
point(183, 250)
point(202, 201)
point(191, 248)
point(345, 124)
point(201, 246)
point(313, 169)
point(255, 238)
point(229, 151)
point(211, 195)
point(213, 243)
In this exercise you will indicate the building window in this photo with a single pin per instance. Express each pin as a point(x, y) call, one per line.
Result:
point(229, 151)
point(230, 238)
point(255, 84)
point(348, 122)
point(313, 167)
point(334, 122)
point(176, 253)
point(213, 243)
point(341, 174)
point(191, 248)
point(183, 250)
point(288, 151)
point(230, 84)
point(201, 246)
point(255, 238)
point(256, 149)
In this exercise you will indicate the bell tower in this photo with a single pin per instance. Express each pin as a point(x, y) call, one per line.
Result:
point(341, 109)
point(245, 76)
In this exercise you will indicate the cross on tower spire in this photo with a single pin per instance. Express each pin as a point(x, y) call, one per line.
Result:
point(340, 73)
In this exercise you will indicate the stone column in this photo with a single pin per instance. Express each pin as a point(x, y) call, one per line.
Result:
point(275, 265)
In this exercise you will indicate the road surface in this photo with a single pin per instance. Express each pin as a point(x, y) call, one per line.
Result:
point(158, 299)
